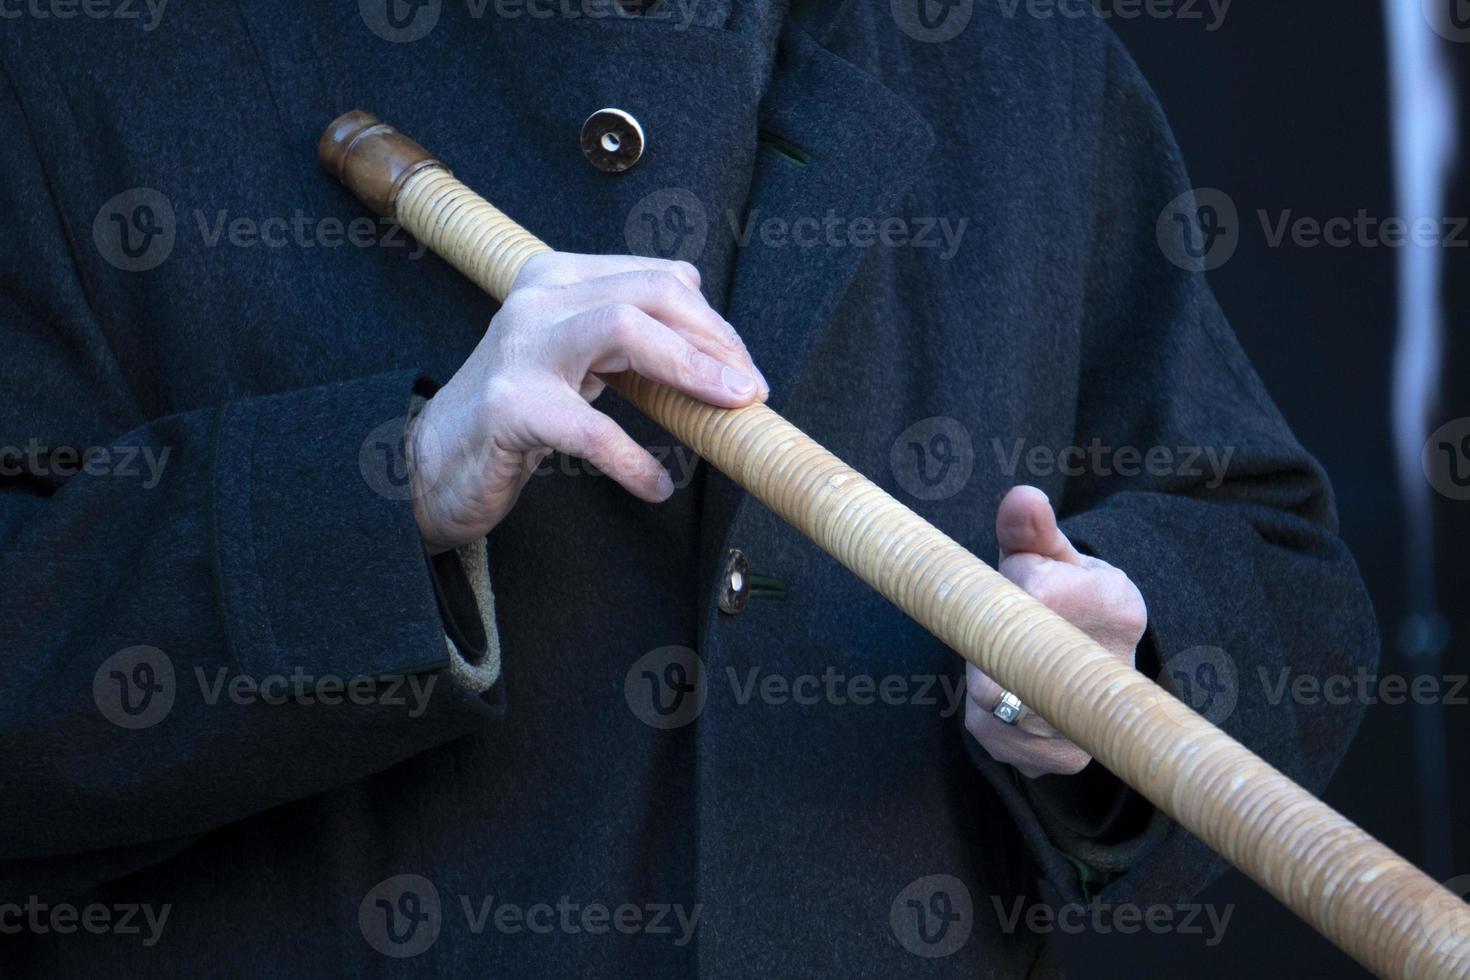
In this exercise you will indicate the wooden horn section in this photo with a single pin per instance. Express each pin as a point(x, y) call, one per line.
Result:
point(1377, 907)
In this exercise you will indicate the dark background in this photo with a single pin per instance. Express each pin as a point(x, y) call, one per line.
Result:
point(1286, 106)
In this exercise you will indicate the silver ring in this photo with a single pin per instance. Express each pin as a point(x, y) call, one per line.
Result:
point(1009, 708)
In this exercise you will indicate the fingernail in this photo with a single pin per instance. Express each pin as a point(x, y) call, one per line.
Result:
point(665, 487)
point(737, 383)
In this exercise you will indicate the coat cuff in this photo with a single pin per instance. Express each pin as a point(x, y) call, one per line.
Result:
point(306, 484)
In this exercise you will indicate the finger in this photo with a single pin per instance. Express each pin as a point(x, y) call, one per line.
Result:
point(1026, 522)
point(1032, 755)
point(670, 300)
point(623, 337)
point(577, 429)
point(981, 688)
point(565, 268)
point(985, 694)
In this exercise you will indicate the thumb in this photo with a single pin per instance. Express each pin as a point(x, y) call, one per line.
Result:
point(1025, 522)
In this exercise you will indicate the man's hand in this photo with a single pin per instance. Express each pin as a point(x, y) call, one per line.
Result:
point(1089, 593)
point(526, 389)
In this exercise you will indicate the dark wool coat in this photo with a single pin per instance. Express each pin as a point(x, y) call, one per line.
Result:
point(945, 252)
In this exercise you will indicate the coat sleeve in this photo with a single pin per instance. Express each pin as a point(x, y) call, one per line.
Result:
point(1230, 533)
point(149, 564)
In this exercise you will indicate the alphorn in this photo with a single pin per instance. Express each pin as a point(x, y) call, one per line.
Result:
point(1381, 910)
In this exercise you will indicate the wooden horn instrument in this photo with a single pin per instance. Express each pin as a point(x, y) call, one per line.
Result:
point(1384, 912)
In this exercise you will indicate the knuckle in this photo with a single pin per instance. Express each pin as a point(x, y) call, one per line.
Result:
point(688, 271)
point(729, 337)
point(692, 366)
point(619, 322)
point(663, 284)
point(498, 396)
point(595, 435)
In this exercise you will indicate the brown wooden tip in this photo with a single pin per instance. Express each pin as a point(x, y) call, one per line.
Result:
point(371, 158)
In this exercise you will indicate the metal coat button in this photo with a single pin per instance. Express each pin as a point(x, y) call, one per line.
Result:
point(734, 583)
point(613, 140)
point(738, 584)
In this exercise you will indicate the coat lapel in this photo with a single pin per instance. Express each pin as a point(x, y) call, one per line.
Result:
point(839, 152)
